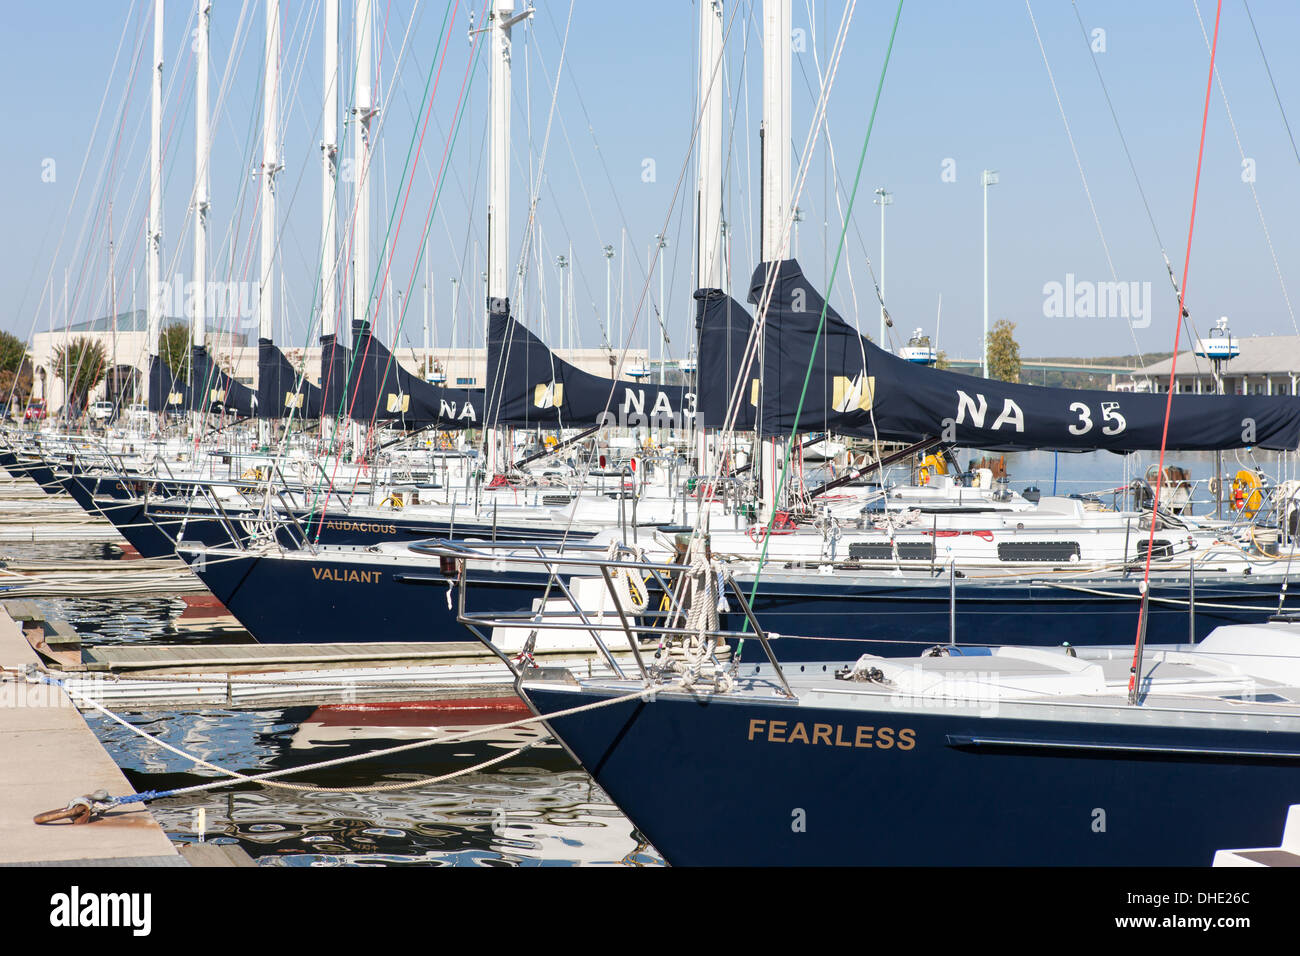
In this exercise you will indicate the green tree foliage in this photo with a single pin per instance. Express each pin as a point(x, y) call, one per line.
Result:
point(13, 352)
point(15, 369)
point(941, 359)
point(81, 364)
point(1004, 352)
point(174, 349)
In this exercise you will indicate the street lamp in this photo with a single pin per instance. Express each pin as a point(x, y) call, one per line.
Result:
point(609, 260)
point(562, 263)
point(883, 199)
point(990, 178)
point(662, 242)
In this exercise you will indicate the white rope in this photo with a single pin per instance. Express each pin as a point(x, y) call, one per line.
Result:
point(267, 779)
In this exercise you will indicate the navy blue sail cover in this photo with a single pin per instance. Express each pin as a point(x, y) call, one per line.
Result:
point(166, 392)
point(724, 328)
point(335, 360)
point(528, 385)
point(281, 391)
point(210, 386)
point(387, 392)
point(858, 389)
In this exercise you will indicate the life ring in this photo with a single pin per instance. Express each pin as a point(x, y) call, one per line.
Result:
point(1247, 494)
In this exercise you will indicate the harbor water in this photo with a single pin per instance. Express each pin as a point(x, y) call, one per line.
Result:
point(536, 809)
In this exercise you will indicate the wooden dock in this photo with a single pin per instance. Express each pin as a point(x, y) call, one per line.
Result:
point(50, 757)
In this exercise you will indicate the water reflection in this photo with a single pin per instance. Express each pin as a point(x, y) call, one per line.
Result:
point(534, 809)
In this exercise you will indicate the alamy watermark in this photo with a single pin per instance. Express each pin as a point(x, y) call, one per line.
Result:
point(1085, 299)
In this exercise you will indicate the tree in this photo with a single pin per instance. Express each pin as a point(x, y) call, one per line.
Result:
point(15, 370)
point(81, 364)
point(1004, 353)
point(13, 352)
point(174, 349)
point(941, 360)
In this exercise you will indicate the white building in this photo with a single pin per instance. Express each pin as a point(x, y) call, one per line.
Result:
point(125, 345)
point(1266, 365)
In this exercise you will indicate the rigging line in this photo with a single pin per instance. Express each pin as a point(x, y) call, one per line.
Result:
point(1139, 640)
point(1131, 165)
point(1276, 95)
point(591, 131)
point(835, 178)
point(1250, 181)
point(383, 281)
point(800, 179)
point(529, 242)
point(466, 82)
point(374, 290)
point(349, 381)
point(85, 161)
point(1073, 148)
point(839, 253)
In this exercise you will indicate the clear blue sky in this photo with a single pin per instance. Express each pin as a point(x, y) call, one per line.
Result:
point(967, 84)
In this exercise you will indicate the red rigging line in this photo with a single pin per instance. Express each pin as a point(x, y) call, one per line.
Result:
point(442, 166)
point(401, 216)
point(1173, 370)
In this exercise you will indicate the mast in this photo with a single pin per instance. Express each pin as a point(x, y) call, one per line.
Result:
point(153, 262)
point(198, 318)
point(363, 112)
point(498, 212)
point(270, 167)
point(775, 138)
point(329, 153)
point(201, 190)
point(708, 177)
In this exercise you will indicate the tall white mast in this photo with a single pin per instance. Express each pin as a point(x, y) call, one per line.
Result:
point(776, 187)
point(708, 180)
point(153, 263)
point(776, 126)
point(270, 166)
point(498, 211)
point(363, 112)
point(708, 176)
point(499, 152)
point(199, 319)
point(329, 153)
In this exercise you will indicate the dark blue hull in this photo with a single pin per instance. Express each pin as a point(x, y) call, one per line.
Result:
point(279, 601)
point(283, 601)
point(838, 619)
point(707, 789)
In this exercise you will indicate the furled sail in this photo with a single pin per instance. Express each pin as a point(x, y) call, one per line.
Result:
point(166, 392)
point(210, 385)
point(335, 360)
point(529, 385)
point(858, 389)
point(281, 391)
point(724, 328)
point(385, 391)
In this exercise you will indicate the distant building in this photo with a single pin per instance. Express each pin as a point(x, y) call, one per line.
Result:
point(125, 345)
point(1267, 365)
point(124, 339)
